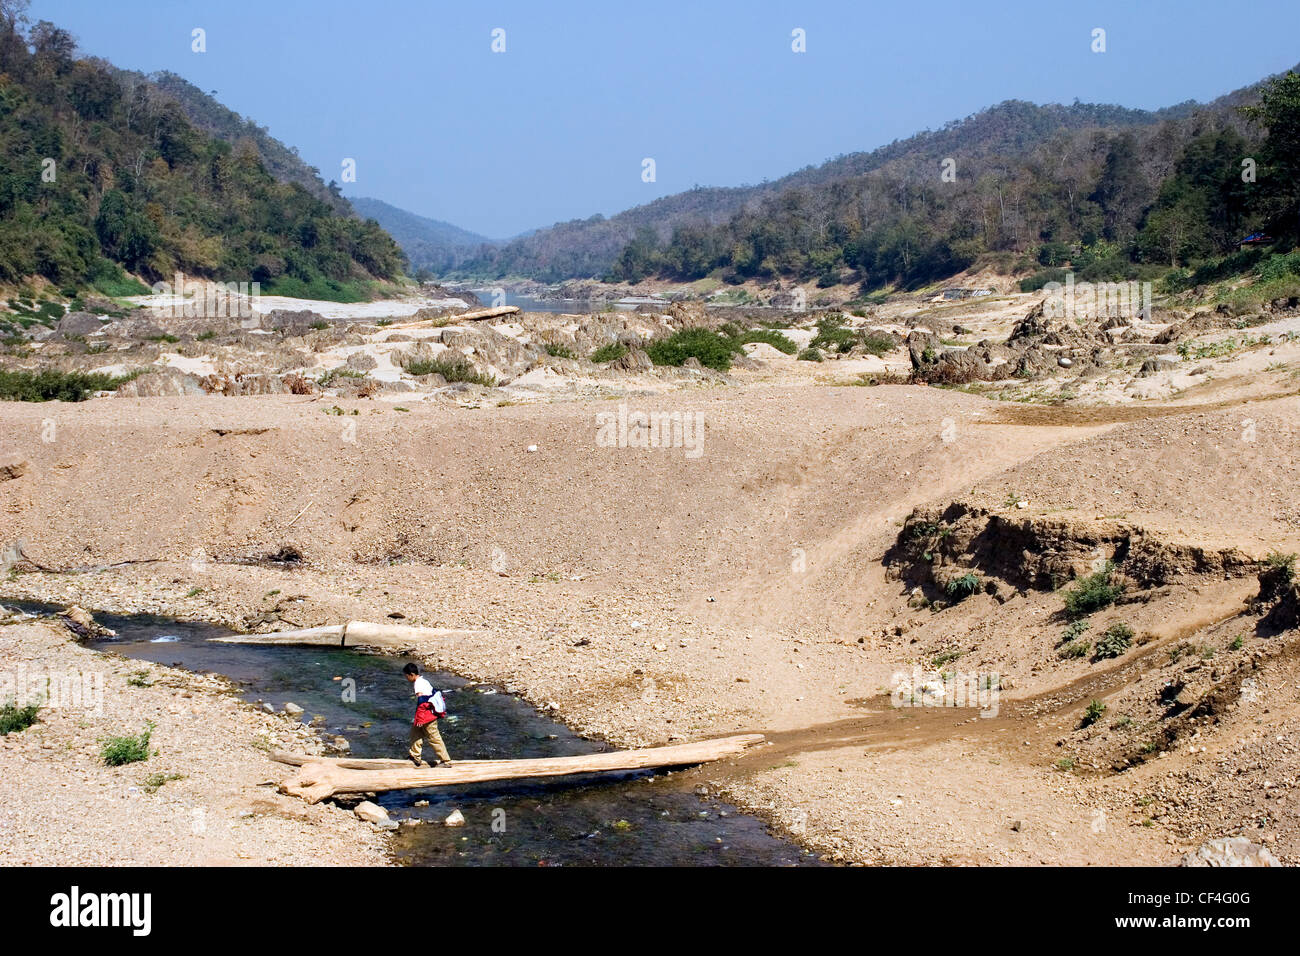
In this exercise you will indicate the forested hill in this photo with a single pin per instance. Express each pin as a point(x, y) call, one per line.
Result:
point(100, 173)
point(1113, 193)
point(1027, 180)
point(211, 116)
point(590, 247)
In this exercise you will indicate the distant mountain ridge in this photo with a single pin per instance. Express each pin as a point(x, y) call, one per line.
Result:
point(428, 243)
point(1005, 133)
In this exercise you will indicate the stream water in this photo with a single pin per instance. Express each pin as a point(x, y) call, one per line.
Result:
point(640, 818)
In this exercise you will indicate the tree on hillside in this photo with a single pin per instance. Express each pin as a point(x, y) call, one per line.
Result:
point(1122, 189)
point(1278, 111)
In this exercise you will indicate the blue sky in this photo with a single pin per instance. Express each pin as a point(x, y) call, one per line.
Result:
point(556, 127)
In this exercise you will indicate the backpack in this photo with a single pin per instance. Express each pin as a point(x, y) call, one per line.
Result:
point(438, 705)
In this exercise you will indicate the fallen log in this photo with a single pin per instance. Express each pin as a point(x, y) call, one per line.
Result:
point(351, 634)
point(475, 315)
point(321, 778)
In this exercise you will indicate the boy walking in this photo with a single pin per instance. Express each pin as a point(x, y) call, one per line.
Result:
point(428, 708)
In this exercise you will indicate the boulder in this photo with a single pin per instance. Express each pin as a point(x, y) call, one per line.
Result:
point(636, 360)
point(1230, 851)
point(372, 813)
point(12, 466)
point(362, 361)
point(455, 819)
point(77, 325)
point(1153, 365)
point(159, 383)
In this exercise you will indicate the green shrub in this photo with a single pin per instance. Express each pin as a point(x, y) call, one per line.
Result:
point(111, 279)
point(117, 751)
point(1093, 592)
point(833, 336)
point(811, 355)
point(609, 352)
point(1039, 279)
point(963, 587)
point(1074, 631)
point(1114, 641)
point(778, 340)
point(878, 343)
point(14, 718)
point(1094, 712)
point(1073, 650)
point(458, 369)
point(711, 349)
point(52, 385)
point(1283, 564)
point(560, 351)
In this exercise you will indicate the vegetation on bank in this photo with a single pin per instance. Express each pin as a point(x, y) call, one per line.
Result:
point(52, 385)
point(15, 717)
point(457, 369)
point(129, 748)
point(1093, 198)
point(103, 175)
point(713, 349)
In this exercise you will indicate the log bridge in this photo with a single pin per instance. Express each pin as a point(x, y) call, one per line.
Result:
point(322, 777)
point(392, 637)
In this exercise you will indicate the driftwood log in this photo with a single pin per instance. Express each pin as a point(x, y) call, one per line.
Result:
point(475, 315)
point(351, 634)
point(321, 777)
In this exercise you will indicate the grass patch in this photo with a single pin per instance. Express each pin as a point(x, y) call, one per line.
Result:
point(14, 718)
point(118, 751)
point(1074, 650)
point(1283, 564)
point(321, 288)
point(458, 369)
point(334, 374)
point(156, 781)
